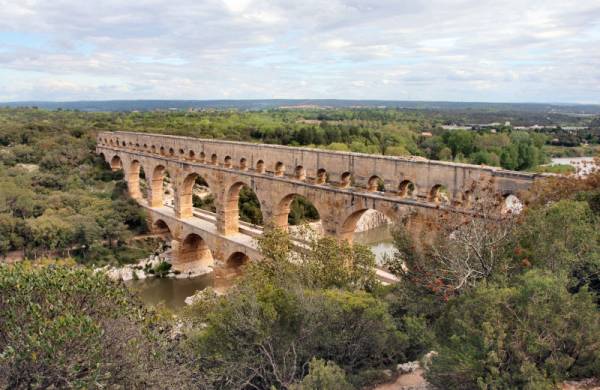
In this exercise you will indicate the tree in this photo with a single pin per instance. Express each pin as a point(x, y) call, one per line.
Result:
point(64, 327)
point(323, 375)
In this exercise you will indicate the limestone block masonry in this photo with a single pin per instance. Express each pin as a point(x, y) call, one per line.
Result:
point(341, 185)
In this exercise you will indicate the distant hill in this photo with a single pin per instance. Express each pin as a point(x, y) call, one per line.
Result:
point(260, 104)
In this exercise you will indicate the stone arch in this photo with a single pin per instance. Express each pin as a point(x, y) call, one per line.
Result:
point(156, 186)
point(260, 166)
point(375, 184)
point(407, 189)
point(349, 224)
point(300, 173)
point(171, 152)
point(202, 157)
point(213, 159)
point(233, 208)
point(438, 194)
point(346, 180)
point(123, 144)
point(281, 213)
point(237, 260)
point(191, 155)
point(194, 254)
point(161, 227)
point(279, 168)
point(321, 176)
point(116, 163)
point(243, 164)
point(153, 149)
point(185, 202)
point(181, 153)
point(227, 162)
point(162, 150)
point(133, 180)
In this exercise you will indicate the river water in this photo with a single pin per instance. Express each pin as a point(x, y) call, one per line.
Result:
point(172, 292)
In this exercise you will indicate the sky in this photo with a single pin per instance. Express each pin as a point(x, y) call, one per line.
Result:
point(453, 50)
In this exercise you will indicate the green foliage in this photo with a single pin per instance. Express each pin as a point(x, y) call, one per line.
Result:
point(323, 375)
point(531, 334)
point(64, 327)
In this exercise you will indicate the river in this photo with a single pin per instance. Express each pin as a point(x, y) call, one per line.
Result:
point(172, 292)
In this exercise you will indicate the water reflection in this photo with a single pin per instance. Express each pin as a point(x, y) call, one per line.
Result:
point(378, 239)
point(170, 292)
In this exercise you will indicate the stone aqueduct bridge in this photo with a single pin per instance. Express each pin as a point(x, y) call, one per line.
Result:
point(342, 186)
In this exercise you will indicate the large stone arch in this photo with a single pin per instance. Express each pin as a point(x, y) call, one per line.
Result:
point(348, 221)
point(116, 163)
point(184, 193)
point(155, 184)
point(281, 209)
point(229, 212)
point(193, 255)
point(133, 179)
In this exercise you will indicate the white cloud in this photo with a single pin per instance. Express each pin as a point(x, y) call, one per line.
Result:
point(514, 50)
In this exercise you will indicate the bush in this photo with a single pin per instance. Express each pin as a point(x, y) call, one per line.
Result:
point(531, 334)
point(323, 376)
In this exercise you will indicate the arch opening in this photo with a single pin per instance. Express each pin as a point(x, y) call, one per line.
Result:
point(321, 176)
point(260, 166)
point(346, 180)
point(241, 204)
point(227, 162)
point(191, 155)
point(407, 189)
point(202, 158)
point(296, 210)
point(194, 254)
point(279, 169)
point(300, 173)
point(376, 184)
point(439, 194)
point(171, 152)
point(116, 163)
point(243, 164)
point(136, 181)
point(237, 260)
point(194, 184)
point(372, 228)
point(161, 189)
point(213, 159)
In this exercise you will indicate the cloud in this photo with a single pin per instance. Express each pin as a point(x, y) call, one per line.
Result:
point(424, 49)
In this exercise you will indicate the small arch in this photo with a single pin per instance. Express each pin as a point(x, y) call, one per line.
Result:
point(321, 176)
point(181, 152)
point(243, 164)
point(145, 146)
point(171, 152)
point(375, 184)
point(153, 149)
point(213, 159)
point(202, 158)
point(237, 260)
point(260, 166)
point(346, 180)
point(124, 144)
point(162, 150)
point(192, 155)
point(300, 173)
point(161, 227)
point(279, 169)
point(137, 145)
point(227, 162)
point(406, 189)
point(438, 194)
point(194, 253)
point(111, 143)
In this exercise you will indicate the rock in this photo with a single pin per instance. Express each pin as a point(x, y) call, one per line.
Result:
point(126, 274)
point(426, 359)
point(207, 293)
point(407, 368)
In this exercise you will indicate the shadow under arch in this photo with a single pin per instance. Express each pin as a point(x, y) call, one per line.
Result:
point(193, 254)
point(160, 184)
